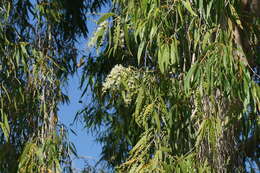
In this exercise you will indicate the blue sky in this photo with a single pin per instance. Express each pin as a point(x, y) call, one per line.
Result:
point(84, 142)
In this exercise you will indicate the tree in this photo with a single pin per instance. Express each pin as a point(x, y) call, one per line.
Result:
point(172, 87)
point(37, 53)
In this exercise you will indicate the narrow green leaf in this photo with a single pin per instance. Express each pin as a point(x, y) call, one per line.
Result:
point(209, 5)
point(116, 36)
point(205, 39)
point(139, 101)
point(153, 32)
point(188, 77)
point(173, 51)
point(5, 126)
point(160, 58)
point(157, 120)
point(187, 5)
point(6, 92)
point(166, 56)
point(105, 17)
point(140, 50)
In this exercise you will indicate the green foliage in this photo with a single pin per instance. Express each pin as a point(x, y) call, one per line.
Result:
point(180, 95)
point(37, 53)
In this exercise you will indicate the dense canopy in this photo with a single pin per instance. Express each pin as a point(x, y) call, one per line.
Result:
point(37, 53)
point(175, 85)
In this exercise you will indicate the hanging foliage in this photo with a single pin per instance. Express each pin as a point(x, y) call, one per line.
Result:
point(37, 53)
point(180, 96)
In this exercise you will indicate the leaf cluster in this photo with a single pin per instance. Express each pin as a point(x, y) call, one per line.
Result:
point(195, 104)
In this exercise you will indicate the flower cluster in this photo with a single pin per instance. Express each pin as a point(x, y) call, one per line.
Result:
point(122, 79)
point(114, 79)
